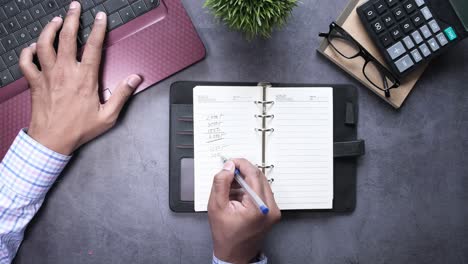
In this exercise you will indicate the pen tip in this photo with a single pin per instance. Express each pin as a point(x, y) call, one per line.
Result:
point(223, 159)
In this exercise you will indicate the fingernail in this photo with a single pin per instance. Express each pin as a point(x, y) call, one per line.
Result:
point(100, 15)
point(134, 81)
point(228, 166)
point(57, 19)
point(32, 44)
point(74, 5)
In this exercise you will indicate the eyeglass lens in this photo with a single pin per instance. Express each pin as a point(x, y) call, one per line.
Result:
point(343, 44)
point(347, 47)
point(377, 77)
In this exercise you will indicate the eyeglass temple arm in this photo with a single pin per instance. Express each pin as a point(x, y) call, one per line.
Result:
point(323, 35)
point(385, 83)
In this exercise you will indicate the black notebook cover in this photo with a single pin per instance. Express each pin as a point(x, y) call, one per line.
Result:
point(346, 146)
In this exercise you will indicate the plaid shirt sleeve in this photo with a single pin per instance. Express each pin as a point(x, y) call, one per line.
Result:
point(261, 260)
point(27, 172)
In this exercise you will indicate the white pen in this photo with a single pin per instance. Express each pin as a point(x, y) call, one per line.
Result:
point(237, 176)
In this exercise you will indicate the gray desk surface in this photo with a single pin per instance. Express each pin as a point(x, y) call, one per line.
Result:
point(111, 205)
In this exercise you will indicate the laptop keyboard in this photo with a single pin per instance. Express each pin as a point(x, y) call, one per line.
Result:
point(21, 22)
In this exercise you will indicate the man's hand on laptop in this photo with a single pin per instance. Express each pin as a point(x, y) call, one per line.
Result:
point(237, 225)
point(66, 110)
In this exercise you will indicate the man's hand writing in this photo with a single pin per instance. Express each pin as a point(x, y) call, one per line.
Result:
point(237, 225)
point(66, 110)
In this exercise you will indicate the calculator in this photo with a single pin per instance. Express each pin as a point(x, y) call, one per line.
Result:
point(411, 32)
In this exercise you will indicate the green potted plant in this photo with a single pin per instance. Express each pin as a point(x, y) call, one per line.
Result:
point(252, 17)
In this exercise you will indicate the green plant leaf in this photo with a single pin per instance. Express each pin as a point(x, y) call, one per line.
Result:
point(253, 17)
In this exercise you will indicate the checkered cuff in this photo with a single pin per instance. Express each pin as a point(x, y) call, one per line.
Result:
point(261, 260)
point(30, 169)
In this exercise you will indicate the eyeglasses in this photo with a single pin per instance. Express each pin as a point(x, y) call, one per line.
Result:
point(373, 70)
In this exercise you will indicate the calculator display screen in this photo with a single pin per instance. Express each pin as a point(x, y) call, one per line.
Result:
point(461, 7)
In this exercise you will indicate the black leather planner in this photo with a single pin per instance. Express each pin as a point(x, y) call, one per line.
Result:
point(347, 148)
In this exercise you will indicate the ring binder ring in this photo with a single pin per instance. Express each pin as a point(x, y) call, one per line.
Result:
point(264, 102)
point(266, 166)
point(265, 116)
point(264, 129)
point(264, 84)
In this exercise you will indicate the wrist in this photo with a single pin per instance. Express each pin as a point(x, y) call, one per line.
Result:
point(50, 140)
point(239, 257)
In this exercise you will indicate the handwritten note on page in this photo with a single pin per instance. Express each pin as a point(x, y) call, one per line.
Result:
point(301, 147)
point(224, 125)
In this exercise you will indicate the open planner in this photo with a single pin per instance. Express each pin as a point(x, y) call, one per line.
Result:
point(286, 131)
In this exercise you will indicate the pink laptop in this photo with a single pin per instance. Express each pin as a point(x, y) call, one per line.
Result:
point(153, 38)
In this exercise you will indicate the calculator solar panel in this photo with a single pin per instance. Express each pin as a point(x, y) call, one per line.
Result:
point(406, 32)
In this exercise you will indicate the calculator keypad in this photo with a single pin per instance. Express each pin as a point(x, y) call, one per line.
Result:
point(388, 20)
point(425, 31)
point(406, 29)
point(425, 50)
point(434, 26)
point(408, 42)
point(391, 3)
point(416, 56)
point(426, 13)
point(433, 44)
point(380, 7)
point(417, 37)
point(442, 39)
point(417, 19)
point(407, 26)
point(396, 50)
point(404, 63)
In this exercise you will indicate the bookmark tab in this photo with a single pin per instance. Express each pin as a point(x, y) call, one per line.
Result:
point(349, 149)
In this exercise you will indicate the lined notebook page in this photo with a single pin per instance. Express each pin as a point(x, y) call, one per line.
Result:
point(224, 125)
point(301, 147)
